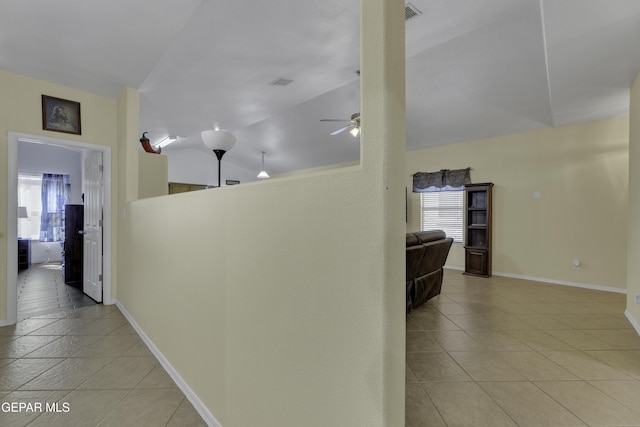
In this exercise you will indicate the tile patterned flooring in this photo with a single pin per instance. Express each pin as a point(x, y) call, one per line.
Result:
point(486, 352)
point(41, 290)
point(94, 365)
point(509, 352)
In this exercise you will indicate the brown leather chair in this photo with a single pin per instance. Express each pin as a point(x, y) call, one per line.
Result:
point(426, 254)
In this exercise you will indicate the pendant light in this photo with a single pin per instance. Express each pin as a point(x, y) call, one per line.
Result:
point(263, 173)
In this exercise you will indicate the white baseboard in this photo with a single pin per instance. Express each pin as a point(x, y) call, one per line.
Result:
point(193, 398)
point(633, 321)
point(552, 281)
point(565, 283)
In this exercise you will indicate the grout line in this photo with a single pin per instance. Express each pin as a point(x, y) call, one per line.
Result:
point(468, 297)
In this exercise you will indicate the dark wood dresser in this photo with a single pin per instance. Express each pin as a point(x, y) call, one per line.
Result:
point(73, 247)
point(24, 254)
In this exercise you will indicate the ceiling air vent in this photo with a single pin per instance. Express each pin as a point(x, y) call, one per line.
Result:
point(410, 11)
point(281, 82)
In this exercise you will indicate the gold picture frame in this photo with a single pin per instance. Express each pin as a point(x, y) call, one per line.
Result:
point(61, 115)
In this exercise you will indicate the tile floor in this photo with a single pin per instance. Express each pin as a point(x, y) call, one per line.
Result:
point(41, 290)
point(90, 362)
point(487, 352)
point(507, 352)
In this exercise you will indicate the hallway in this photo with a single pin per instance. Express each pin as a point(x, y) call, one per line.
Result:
point(94, 365)
point(41, 290)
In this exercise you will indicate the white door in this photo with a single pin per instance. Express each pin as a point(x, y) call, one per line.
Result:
point(93, 200)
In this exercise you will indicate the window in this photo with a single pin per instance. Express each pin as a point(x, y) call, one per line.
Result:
point(30, 196)
point(42, 223)
point(442, 210)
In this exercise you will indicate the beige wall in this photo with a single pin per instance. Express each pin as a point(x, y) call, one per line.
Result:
point(301, 172)
point(280, 303)
point(581, 174)
point(128, 143)
point(258, 298)
point(21, 111)
point(633, 247)
point(153, 175)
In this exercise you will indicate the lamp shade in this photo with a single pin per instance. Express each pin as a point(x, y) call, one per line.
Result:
point(22, 212)
point(218, 140)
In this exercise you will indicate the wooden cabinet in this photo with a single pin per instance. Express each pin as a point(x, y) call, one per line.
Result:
point(179, 187)
point(72, 255)
point(478, 214)
point(24, 254)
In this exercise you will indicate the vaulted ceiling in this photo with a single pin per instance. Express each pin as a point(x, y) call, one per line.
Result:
point(475, 68)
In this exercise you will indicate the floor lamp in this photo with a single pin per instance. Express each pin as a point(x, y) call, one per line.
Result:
point(219, 142)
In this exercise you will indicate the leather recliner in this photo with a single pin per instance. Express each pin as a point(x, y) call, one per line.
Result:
point(426, 254)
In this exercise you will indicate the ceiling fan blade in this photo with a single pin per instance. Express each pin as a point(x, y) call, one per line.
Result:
point(334, 120)
point(335, 132)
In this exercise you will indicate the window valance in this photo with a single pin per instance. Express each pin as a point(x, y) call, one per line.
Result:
point(443, 180)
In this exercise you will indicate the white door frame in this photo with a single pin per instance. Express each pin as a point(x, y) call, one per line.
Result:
point(12, 215)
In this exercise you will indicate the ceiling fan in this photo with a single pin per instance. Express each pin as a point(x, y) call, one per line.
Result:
point(353, 127)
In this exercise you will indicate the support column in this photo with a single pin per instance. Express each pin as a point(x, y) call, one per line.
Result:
point(633, 240)
point(383, 147)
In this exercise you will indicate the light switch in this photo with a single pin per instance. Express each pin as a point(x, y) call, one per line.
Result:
point(536, 194)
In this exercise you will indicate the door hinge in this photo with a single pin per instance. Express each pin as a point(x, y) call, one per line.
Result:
point(99, 223)
point(101, 168)
point(100, 278)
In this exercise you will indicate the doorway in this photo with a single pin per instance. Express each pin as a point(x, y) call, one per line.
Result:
point(12, 208)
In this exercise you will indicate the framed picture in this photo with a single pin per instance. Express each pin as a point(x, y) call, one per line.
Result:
point(61, 115)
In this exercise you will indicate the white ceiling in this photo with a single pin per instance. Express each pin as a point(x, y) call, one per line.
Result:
point(475, 68)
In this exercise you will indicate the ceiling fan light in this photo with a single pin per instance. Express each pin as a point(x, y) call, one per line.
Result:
point(355, 131)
